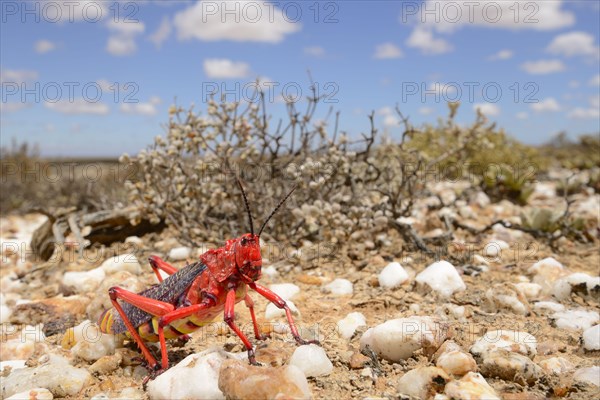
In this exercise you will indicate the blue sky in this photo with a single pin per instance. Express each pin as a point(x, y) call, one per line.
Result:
point(532, 66)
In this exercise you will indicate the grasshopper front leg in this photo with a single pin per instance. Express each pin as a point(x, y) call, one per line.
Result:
point(280, 303)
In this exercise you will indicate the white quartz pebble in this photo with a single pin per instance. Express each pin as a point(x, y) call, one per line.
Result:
point(392, 275)
point(591, 338)
point(285, 290)
point(577, 319)
point(339, 287)
point(441, 277)
point(180, 253)
point(122, 262)
point(84, 281)
point(312, 360)
point(347, 326)
point(589, 375)
point(273, 311)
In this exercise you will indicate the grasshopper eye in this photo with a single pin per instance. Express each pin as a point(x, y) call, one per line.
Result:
point(244, 241)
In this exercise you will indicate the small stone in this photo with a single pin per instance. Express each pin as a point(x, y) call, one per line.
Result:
point(135, 241)
point(454, 360)
point(423, 382)
point(393, 275)
point(83, 282)
point(311, 360)
point(106, 364)
point(32, 394)
point(515, 341)
point(589, 375)
point(180, 253)
point(441, 277)
point(530, 290)
point(472, 386)
point(310, 279)
point(510, 366)
point(574, 320)
point(88, 343)
point(358, 360)
point(30, 339)
point(556, 365)
point(238, 380)
point(131, 393)
point(12, 364)
point(285, 290)
point(270, 272)
point(339, 287)
point(505, 296)
point(122, 262)
point(548, 305)
point(591, 338)
point(545, 272)
point(273, 311)
point(56, 375)
point(581, 283)
point(347, 326)
point(199, 371)
point(493, 249)
point(398, 339)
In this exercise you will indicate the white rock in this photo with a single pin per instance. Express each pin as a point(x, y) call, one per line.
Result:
point(180, 253)
point(5, 313)
point(398, 339)
point(339, 287)
point(423, 382)
point(199, 374)
point(505, 296)
point(285, 290)
point(548, 305)
point(347, 326)
point(134, 240)
point(392, 275)
point(56, 375)
point(13, 364)
point(32, 394)
point(273, 311)
point(556, 365)
point(122, 262)
point(591, 338)
point(574, 320)
point(578, 281)
point(442, 277)
point(472, 386)
point(270, 272)
point(510, 366)
point(589, 375)
point(85, 281)
point(312, 360)
point(454, 360)
point(545, 272)
point(30, 339)
point(493, 249)
point(516, 341)
point(530, 290)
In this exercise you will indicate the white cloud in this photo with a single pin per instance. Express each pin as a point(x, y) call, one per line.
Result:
point(574, 84)
point(315, 51)
point(390, 118)
point(584, 113)
point(225, 69)
point(547, 105)
point(44, 46)
point(501, 55)
point(162, 33)
point(422, 38)
point(522, 115)
point(540, 15)
point(487, 109)
point(425, 110)
point(17, 76)
point(250, 21)
point(387, 51)
point(10, 107)
point(542, 67)
point(122, 41)
point(595, 81)
point(574, 44)
point(78, 106)
point(138, 108)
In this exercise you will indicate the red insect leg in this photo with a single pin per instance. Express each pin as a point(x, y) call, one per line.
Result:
point(154, 307)
point(280, 303)
point(229, 318)
point(250, 304)
point(157, 263)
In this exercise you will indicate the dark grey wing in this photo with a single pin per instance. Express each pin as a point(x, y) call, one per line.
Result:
point(169, 291)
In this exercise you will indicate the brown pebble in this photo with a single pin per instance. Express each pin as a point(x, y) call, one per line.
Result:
point(106, 364)
point(309, 279)
point(358, 360)
point(523, 396)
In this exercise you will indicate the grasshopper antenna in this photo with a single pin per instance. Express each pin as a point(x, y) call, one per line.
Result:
point(277, 208)
point(247, 206)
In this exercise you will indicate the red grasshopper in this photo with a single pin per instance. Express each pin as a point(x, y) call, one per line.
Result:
point(194, 295)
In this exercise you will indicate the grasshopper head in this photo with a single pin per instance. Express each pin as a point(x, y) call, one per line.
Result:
point(247, 257)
